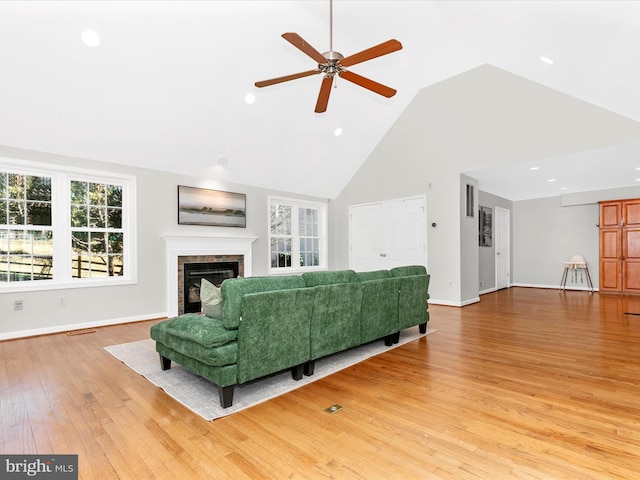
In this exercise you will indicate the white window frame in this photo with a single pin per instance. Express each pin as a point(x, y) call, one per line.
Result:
point(295, 237)
point(61, 177)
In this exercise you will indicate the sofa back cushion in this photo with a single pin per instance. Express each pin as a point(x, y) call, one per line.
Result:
point(233, 289)
point(412, 301)
point(379, 316)
point(274, 332)
point(314, 279)
point(408, 270)
point(335, 321)
point(375, 275)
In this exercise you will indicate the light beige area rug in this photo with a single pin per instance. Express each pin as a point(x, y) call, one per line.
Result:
point(201, 396)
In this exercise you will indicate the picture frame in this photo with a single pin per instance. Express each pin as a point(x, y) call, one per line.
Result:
point(485, 226)
point(202, 206)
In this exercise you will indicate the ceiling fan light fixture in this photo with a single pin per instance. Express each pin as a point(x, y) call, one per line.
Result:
point(332, 63)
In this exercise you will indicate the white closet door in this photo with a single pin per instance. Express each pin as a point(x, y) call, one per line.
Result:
point(388, 234)
point(365, 226)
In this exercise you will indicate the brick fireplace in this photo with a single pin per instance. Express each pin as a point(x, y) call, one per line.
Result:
point(201, 249)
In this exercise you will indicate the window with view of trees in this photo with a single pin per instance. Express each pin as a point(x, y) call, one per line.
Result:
point(62, 228)
point(96, 230)
point(26, 235)
point(297, 236)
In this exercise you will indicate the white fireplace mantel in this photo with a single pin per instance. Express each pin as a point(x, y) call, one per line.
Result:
point(183, 245)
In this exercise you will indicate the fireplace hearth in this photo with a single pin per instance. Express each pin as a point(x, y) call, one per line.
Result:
point(214, 272)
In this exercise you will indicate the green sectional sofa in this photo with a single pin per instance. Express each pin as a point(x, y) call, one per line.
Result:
point(271, 324)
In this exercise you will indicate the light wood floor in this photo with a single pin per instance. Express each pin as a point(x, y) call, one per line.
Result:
point(526, 384)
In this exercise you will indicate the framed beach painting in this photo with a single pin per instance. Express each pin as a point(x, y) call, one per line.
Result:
point(201, 206)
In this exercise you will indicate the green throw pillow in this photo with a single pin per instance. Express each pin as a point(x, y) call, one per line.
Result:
point(211, 299)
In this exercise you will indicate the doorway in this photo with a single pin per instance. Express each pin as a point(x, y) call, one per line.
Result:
point(502, 237)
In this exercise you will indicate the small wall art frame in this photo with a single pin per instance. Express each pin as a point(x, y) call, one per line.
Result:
point(485, 227)
point(201, 206)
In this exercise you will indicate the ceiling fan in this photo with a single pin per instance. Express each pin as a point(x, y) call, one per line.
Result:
point(332, 63)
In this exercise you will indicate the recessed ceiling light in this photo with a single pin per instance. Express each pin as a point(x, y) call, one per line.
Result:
point(563, 188)
point(91, 38)
point(535, 168)
point(637, 179)
point(637, 168)
point(551, 180)
point(547, 60)
point(337, 132)
point(249, 98)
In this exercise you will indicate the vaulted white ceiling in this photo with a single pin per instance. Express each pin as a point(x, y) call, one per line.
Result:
point(165, 89)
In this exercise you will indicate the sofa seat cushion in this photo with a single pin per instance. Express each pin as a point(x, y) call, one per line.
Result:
point(205, 331)
point(199, 337)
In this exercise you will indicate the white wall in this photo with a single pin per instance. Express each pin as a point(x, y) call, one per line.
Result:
point(546, 234)
point(157, 216)
point(482, 118)
point(469, 253)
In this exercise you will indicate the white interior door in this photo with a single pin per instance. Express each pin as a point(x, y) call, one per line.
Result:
point(502, 238)
point(365, 227)
point(404, 230)
point(388, 234)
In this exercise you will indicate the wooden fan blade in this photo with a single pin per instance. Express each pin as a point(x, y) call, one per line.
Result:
point(286, 78)
point(368, 84)
point(384, 48)
point(325, 91)
point(298, 42)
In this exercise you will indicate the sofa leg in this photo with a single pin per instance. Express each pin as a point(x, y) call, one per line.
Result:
point(396, 337)
point(423, 327)
point(226, 396)
point(165, 363)
point(388, 340)
point(308, 367)
point(298, 371)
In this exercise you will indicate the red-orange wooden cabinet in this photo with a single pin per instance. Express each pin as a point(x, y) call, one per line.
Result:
point(620, 246)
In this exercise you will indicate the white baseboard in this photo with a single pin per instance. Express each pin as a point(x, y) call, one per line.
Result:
point(79, 326)
point(552, 287)
point(488, 290)
point(448, 303)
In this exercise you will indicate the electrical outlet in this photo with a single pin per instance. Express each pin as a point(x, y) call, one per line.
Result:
point(62, 301)
point(17, 305)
